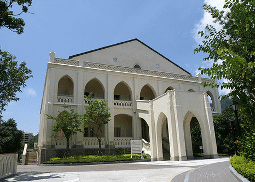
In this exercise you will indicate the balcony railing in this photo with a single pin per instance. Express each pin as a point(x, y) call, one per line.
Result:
point(123, 142)
point(86, 101)
point(65, 99)
point(122, 104)
point(92, 142)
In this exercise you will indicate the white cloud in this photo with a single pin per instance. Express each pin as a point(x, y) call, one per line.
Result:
point(30, 91)
point(207, 19)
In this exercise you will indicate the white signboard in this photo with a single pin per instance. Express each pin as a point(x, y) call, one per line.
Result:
point(136, 147)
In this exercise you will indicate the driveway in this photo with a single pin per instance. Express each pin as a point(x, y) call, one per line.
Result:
point(133, 172)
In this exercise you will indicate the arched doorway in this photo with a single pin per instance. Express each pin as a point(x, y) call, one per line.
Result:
point(194, 136)
point(165, 140)
point(147, 93)
point(145, 130)
point(95, 87)
point(162, 137)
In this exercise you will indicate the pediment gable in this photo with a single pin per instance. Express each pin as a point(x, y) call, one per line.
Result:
point(129, 54)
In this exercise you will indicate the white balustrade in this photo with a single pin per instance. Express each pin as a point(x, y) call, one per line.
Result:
point(24, 155)
point(86, 101)
point(130, 70)
point(92, 142)
point(8, 165)
point(60, 142)
point(122, 103)
point(122, 142)
point(65, 99)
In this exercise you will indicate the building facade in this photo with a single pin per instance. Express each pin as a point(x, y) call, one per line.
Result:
point(149, 97)
point(27, 136)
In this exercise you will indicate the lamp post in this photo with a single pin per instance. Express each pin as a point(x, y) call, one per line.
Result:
point(234, 105)
point(235, 108)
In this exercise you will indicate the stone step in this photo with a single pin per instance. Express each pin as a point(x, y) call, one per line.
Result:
point(31, 158)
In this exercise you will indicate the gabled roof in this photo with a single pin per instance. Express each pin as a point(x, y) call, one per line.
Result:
point(70, 57)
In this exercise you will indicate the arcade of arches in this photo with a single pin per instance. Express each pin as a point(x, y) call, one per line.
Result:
point(160, 131)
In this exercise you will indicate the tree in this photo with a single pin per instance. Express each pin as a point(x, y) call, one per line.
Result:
point(67, 122)
point(10, 137)
point(10, 20)
point(233, 50)
point(96, 116)
point(31, 142)
point(12, 77)
point(225, 130)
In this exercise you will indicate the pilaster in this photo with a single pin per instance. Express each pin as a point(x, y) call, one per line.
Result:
point(110, 125)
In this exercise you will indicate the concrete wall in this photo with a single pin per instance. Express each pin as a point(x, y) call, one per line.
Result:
point(8, 165)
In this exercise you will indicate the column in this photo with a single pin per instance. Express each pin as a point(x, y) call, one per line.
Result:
point(178, 116)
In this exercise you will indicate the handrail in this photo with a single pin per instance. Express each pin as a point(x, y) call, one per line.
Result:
point(24, 155)
point(146, 147)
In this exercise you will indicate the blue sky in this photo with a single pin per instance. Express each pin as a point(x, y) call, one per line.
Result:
point(72, 27)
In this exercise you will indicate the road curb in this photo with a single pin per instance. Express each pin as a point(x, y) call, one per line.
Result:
point(238, 176)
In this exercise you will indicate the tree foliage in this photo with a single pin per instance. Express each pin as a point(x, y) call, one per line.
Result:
point(9, 19)
point(12, 78)
point(96, 116)
point(233, 50)
point(10, 137)
point(224, 131)
point(67, 122)
point(31, 142)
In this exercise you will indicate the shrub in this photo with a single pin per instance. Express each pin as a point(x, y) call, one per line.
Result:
point(244, 166)
point(247, 145)
point(96, 158)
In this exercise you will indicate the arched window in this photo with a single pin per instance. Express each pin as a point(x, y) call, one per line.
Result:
point(65, 86)
point(169, 88)
point(137, 66)
point(191, 90)
point(211, 100)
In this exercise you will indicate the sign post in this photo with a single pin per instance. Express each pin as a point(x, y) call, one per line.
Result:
point(136, 147)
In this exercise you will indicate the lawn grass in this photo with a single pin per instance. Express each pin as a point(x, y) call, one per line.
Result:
point(244, 167)
point(96, 158)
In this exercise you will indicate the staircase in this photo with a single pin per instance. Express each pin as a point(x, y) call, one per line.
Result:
point(146, 147)
point(166, 148)
point(31, 157)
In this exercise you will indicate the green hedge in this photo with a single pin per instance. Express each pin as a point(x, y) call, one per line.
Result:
point(96, 158)
point(244, 167)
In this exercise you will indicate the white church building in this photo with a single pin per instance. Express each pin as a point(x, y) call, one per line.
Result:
point(149, 98)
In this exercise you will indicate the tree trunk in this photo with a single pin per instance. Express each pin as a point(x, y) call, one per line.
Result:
point(99, 143)
point(67, 153)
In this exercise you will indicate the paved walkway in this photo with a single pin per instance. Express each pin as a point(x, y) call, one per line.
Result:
point(138, 171)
